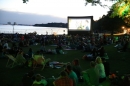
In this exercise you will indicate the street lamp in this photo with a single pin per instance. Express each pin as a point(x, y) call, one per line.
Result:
point(124, 29)
point(13, 26)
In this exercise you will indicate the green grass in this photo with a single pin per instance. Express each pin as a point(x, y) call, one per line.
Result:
point(14, 75)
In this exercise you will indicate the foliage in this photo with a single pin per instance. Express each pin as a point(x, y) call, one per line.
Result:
point(121, 8)
point(106, 23)
point(98, 2)
point(25, 1)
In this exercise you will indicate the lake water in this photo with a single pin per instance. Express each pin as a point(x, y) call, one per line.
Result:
point(31, 29)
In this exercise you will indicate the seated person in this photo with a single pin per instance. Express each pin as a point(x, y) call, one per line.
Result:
point(39, 59)
point(91, 76)
point(1, 47)
point(30, 53)
point(106, 66)
point(92, 55)
point(124, 46)
point(100, 67)
point(27, 79)
point(19, 58)
point(6, 45)
point(94, 52)
point(43, 48)
point(63, 80)
point(4, 51)
point(101, 51)
point(72, 75)
point(72, 45)
point(59, 49)
point(39, 81)
point(76, 67)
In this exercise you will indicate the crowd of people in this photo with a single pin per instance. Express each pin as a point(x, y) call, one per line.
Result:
point(72, 73)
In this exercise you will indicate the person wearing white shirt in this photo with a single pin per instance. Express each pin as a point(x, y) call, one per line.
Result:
point(6, 45)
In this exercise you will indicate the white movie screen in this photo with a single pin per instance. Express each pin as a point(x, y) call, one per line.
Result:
point(79, 24)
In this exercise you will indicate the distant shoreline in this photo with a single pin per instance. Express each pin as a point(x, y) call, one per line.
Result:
point(9, 29)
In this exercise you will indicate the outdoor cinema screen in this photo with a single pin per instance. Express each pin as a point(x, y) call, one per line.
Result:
point(80, 23)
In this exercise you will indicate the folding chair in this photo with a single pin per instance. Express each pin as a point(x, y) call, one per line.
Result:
point(10, 57)
point(39, 60)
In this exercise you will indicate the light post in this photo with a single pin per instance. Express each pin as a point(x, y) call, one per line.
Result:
point(13, 26)
point(124, 29)
point(51, 31)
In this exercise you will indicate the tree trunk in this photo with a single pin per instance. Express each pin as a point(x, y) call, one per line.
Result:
point(112, 32)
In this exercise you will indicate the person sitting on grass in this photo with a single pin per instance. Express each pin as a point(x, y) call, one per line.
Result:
point(6, 45)
point(91, 75)
point(101, 51)
point(100, 67)
point(72, 74)
point(43, 48)
point(106, 66)
point(124, 47)
point(92, 55)
point(59, 49)
point(30, 53)
point(39, 81)
point(19, 58)
point(39, 59)
point(63, 80)
point(27, 79)
point(76, 67)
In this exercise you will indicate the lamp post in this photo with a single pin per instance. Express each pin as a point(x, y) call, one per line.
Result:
point(125, 29)
point(13, 26)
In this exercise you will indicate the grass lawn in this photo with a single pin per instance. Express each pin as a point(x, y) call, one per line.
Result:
point(118, 62)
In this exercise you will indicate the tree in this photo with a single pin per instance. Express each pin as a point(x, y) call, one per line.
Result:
point(120, 8)
point(106, 23)
point(25, 1)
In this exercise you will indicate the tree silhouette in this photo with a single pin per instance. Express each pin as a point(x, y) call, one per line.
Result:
point(106, 23)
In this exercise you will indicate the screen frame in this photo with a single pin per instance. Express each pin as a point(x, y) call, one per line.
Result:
point(80, 17)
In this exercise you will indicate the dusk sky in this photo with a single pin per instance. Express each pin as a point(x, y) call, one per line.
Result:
point(44, 11)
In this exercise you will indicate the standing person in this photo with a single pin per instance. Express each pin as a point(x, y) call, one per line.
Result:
point(100, 67)
point(22, 38)
point(72, 75)
point(91, 76)
point(63, 80)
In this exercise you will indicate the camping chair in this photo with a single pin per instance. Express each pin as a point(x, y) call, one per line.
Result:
point(10, 57)
point(39, 60)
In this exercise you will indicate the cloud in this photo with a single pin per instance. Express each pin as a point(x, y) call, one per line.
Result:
point(27, 18)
